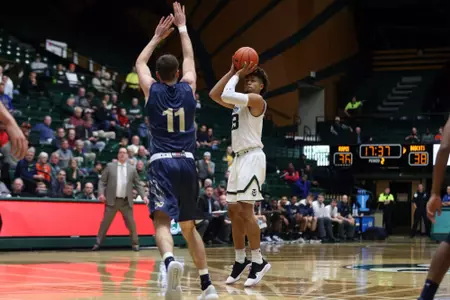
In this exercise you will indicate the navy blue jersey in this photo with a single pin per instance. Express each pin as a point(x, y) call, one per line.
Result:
point(171, 110)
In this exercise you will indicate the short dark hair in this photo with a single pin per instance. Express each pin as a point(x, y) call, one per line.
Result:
point(167, 67)
point(262, 75)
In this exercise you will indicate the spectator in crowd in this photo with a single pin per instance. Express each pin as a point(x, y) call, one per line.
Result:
point(60, 134)
point(142, 155)
point(7, 101)
point(38, 66)
point(208, 204)
point(427, 137)
point(135, 112)
point(41, 190)
point(302, 187)
point(131, 85)
point(202, 136)
point(85, 132)
point(72, 76)
point(132, 160)
point(68, 191)
point(107, 82)
point(353, 107)
point(276, 219)
point(413, 137)
point(54, 165)
point(43, 169)
point(291, 175)
point(228, 158)
point(77, 119)
point(338, 128)
point(9, 86)
point(88, 192)
point(438, 136)
point(324, 223)
point(446, 198)
point(420, 200)
point(197, 98)
point(26, 170)
point(60, 75)
point(65, 154)
point(135, 144)
point(212, 141)
point(31, 86)
point(58, 184)
point(68, 108)
point(46, 133)
point(206, 168)
point(224, 232)
point(96, 81)
point(207, 183)
point(96, 172)
point(71, 138)
point(18, 189)
point(79, 155)
point(345, 214)
point(73, 174)
point(360, 138)
point(4, 191)
point(144, 129)
point(142, 172)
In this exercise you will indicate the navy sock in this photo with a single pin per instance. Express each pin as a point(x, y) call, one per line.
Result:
point(168, 260)
point(205, 281)
point(429, 290)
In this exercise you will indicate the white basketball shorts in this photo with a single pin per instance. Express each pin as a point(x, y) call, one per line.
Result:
point(247, 174)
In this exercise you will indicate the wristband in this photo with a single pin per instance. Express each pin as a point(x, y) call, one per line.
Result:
point(182, 29)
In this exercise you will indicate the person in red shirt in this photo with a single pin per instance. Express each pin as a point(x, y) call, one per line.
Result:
point(123, 119)
point(3, 136)
point(43, 169)
point(438, 137)
point(291, 175)
point(71, 138)
point(76, 119)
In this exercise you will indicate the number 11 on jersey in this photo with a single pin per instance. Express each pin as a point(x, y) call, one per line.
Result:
point(170, 116)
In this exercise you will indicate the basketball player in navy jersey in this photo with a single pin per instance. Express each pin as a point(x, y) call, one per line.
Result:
point(441, 259)
point(171, 105)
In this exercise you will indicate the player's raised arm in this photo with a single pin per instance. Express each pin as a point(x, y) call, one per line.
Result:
point(230, 96)
point(189, 73)
point(163, 30)
point(217, 90)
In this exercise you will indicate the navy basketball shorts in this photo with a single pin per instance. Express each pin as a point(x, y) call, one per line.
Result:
point(174, 189)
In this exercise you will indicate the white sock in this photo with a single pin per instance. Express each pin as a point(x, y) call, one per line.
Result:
point(240, 255)
point(203, 272)
point(166, 255)
point(257, 257)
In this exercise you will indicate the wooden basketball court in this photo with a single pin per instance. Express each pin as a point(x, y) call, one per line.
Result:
point(386, 270)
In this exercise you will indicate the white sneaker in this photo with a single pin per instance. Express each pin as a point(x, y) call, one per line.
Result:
point(268, 239)
point(257, 272)
point(174, 274)
point(209, 294)
point(277, 239)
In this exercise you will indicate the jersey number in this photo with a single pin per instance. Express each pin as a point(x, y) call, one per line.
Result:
point(170, 116)
point(234, 122)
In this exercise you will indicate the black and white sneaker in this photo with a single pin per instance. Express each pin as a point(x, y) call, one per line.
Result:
point(257, 272)
point(237, 271)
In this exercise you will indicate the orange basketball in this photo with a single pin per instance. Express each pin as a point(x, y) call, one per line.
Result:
point(245, 54)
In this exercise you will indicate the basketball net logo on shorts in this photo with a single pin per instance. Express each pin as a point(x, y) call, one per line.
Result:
point(156, 191)
point(392, 268)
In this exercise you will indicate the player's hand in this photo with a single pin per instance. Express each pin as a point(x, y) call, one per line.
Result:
point(145, 200)
point(164, 28)
point(180, 15)
point(102, 198)
point(434, 205)
point(246, 69)
point(19, 144)
point(232, 68)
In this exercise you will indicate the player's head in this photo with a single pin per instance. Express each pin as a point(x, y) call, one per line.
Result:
point(167, 68)
point(257, 82)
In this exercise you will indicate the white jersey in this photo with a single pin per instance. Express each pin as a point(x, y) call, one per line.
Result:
point(246, 130)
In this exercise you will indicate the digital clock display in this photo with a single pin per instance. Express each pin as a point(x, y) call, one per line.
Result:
point(368, 151)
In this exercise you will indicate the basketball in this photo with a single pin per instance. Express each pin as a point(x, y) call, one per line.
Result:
point(245, 54)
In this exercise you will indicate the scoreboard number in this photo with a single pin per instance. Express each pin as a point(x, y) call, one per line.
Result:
point(418, 159)
point(343, 159)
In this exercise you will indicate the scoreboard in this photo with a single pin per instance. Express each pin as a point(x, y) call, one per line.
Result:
point(370, 156)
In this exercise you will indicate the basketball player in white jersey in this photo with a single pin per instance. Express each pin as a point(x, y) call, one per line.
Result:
point(248, 170)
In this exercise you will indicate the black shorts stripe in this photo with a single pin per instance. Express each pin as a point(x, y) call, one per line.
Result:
point(254, 178)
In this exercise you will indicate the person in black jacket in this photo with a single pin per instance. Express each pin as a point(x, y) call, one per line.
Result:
point(420, 200)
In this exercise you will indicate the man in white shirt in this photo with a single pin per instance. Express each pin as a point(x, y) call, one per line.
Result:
point(115, 189)
point(324, 219)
